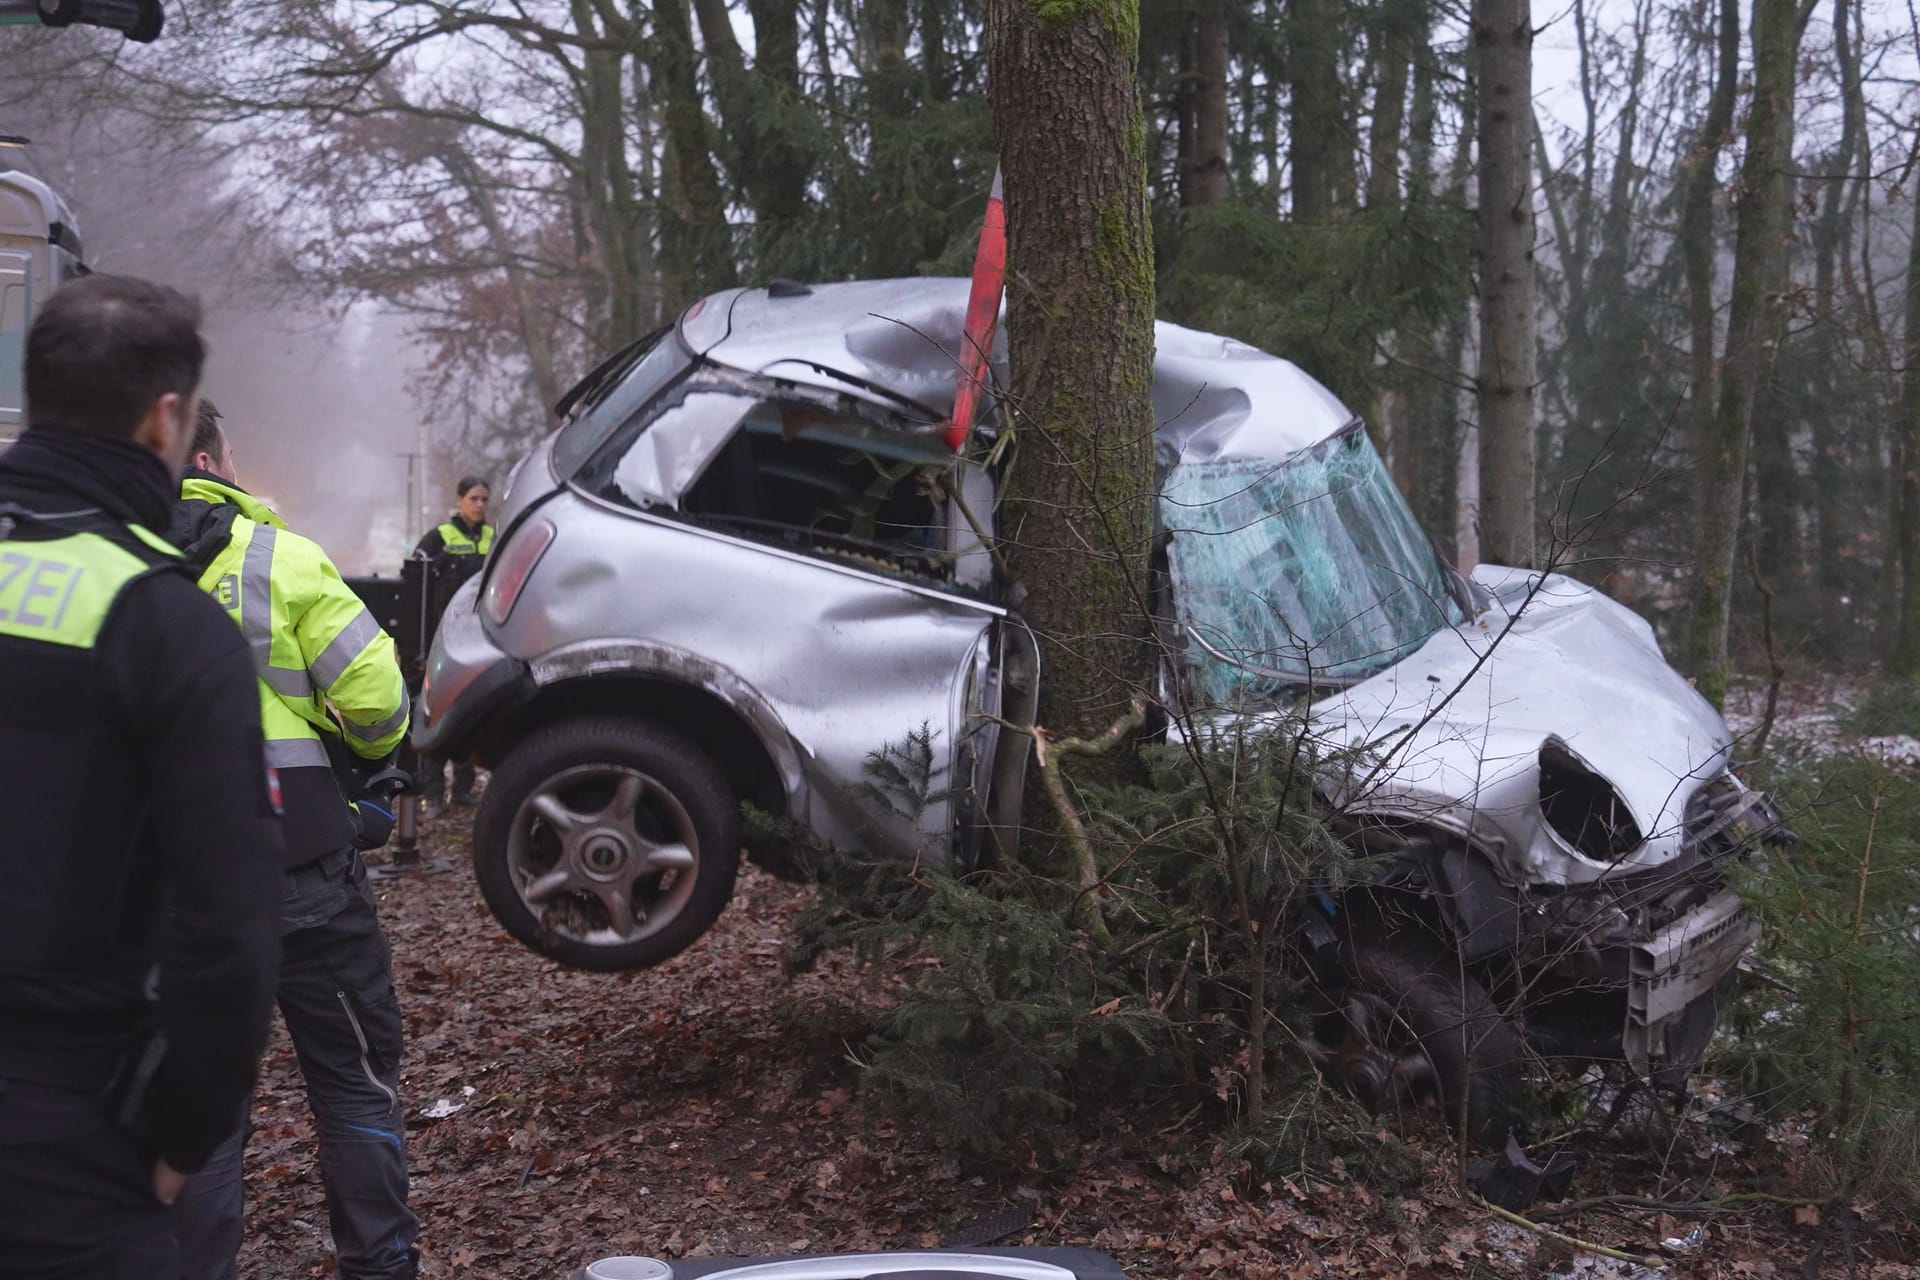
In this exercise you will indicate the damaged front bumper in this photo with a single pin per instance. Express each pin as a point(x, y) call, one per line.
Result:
point(1677, 967)
point(1631, 966)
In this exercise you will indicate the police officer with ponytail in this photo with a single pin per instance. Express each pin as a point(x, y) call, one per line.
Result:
point(454, 551)
point(465, 537)
point(139, 845)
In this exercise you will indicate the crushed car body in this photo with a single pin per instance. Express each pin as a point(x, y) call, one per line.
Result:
point(746, 562)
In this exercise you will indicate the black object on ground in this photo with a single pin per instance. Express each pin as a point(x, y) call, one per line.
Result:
point(1515, 1183)
point(993, 1227)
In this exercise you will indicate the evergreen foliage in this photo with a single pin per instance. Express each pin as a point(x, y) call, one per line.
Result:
point(1012, 1023)
point(1889, 707)
point(1830, 1030)
point(1325, 294)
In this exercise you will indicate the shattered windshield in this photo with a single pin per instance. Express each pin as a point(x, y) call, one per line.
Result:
point(1294, 571)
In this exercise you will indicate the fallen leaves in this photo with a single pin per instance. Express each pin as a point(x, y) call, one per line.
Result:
point(708, 1108)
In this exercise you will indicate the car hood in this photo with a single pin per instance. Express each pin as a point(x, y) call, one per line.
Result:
point(1451, 736)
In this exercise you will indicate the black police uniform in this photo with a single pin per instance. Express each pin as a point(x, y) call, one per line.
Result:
point(454, 550)
point(141, 859)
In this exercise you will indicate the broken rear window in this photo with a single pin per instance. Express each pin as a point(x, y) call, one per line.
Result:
point(790, 473)
point(608, 397)
point(1299, 570)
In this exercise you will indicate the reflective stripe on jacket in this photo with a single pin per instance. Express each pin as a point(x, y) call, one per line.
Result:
point(315, 645)
point(454, 539)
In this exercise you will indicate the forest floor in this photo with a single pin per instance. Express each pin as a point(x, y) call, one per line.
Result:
point(709, 1108)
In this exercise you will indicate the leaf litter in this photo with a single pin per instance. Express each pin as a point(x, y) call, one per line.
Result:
point(710, 1108)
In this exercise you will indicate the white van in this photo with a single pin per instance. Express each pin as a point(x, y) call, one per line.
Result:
point(39, 250)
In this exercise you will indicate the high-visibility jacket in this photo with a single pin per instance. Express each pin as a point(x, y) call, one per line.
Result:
point(455, 542)
point(330, 678)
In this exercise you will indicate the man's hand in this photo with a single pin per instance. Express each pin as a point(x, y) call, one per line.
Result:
point(167, 1182)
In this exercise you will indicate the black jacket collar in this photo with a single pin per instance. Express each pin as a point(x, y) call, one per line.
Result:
point(48, 466)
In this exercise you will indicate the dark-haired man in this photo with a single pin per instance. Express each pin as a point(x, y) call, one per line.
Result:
point(139, 851)
point(454, 551)
point(332, 701)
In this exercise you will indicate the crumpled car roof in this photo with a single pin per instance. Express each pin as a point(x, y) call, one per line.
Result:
point(905, 336)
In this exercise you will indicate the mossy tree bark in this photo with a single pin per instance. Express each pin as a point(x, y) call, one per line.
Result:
point(1850, 181)
point(1080, 302)
point(1756, 315)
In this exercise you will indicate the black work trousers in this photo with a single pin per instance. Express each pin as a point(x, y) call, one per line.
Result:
point(336, 995)
point(430, 779)
point(76, 1192)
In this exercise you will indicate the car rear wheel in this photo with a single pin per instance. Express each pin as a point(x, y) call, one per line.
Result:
point(1399, 1031)
point(606, 844)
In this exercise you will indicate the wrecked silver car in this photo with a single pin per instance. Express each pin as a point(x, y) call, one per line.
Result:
point(747, 560)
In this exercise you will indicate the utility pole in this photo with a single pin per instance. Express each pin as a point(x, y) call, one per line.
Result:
point(416, 500)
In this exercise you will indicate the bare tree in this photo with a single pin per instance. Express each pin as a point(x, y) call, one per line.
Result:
point(1906, 652)
point(1755, 317)
point(1503, 39)
point(1203, 170)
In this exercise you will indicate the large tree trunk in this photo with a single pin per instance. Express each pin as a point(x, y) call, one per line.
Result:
point(767, 166)
point(1503, 38)
point(1080, 304)
point(1697, 250)
point(1395, 32)
point(1755, 315)
point(607, 178)
point(1905, 659)
point(1426, 455)
point(1204, 179)
point(1317, 125)
point(1849, 176)
point(696, 245)
point(785, 160)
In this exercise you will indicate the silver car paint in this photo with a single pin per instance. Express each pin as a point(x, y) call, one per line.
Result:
point(830, 664)
point(1460, 742)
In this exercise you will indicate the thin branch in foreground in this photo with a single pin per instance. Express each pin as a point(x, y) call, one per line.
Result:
point(1585, 1246)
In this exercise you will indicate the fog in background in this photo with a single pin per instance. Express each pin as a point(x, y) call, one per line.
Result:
point(314, 394)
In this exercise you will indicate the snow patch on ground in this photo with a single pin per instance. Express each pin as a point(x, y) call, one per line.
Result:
point(1811, 716)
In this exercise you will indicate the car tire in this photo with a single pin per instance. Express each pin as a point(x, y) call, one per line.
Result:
point(579, 878)
point(1427, 1011)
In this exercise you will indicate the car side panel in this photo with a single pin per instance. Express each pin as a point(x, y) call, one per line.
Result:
point(850, 663)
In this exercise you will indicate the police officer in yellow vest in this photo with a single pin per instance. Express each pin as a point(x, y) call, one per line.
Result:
point(455, 551)
point(466, 532)
point(333, 706)
point(139, 849)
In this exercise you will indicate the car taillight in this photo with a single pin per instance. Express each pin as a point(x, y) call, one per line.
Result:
point(513, 565)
